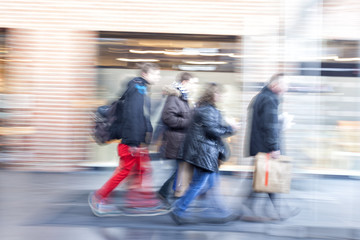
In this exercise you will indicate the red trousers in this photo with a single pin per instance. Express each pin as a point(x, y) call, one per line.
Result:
point(136, 166)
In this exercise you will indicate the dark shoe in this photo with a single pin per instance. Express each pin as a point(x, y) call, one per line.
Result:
point(182, 220)
point(231, 217)
point(255, 219)
point(176, 218)
point(163, 198)
point(219, 220)
point(292, 213)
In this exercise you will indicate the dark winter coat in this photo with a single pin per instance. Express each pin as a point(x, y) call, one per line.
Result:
point(203, 142)
point(176, 116)
point(136, 113)
point(264, 136)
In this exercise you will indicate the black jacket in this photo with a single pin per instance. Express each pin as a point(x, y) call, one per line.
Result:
point(264, 136)
point(202, 143)
point(136, 113)
point(176, 116)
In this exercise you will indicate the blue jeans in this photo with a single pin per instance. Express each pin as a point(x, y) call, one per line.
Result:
point(202, 181)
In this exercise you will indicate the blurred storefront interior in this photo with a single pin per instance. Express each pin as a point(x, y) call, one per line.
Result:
point(59, 61)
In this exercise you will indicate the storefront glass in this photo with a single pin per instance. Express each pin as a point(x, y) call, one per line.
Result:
point(322, 98)
point(209, 58)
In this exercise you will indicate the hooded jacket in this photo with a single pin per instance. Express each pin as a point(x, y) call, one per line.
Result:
point(136, 113)
point(176, 116)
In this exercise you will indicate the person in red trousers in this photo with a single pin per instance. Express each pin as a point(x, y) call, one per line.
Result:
point(136, 131)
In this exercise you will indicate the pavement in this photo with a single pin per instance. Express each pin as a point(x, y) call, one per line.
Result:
point(44, 205)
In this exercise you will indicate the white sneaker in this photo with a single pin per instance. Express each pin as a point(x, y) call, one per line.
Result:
point(102, 208)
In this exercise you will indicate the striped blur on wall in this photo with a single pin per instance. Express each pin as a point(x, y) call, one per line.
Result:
point(50, 78)
point(50, 72)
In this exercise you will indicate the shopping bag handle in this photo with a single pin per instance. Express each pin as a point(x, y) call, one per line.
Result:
point(267, 169)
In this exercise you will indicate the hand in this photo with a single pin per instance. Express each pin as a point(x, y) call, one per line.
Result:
point(133, 150)
point(286, 120)
point(235, 127)
point(136, 151)
point(233, 124)
point(275, 154)
point(220, 162)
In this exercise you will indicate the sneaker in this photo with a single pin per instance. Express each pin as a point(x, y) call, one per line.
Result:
point(291, 213)
point(164, 199)
point(219, 220)
point(160, 209)
point(177, 219)
point(101, 207)
point(255, 219)
point(248, 215)
point(184, 219)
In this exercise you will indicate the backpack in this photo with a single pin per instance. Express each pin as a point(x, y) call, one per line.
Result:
point(108, 121)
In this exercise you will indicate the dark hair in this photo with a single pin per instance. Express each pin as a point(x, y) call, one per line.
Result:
point(185, 76)
point(208, 95)
point(146, 67)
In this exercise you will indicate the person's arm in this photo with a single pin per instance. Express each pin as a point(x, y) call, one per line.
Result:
point(149, 128)
point(270, 125)
point(213, 126)
point(172, 115)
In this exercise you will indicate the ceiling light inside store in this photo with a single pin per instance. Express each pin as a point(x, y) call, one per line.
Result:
point(185, 53)
point(334, 58)
point(137, 60)
point(197, 68)
point(347, 59)
point(193, 53)
point(145, 51)
point(312, 58)
point(328, 58)
point(236, 56)
point(217, 54)
point(166, 52)
point(205, 62)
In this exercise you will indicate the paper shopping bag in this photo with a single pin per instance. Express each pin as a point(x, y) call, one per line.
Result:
point(272, 175)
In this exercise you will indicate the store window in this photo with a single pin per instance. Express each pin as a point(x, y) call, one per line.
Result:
point(324, 98)
point(210, 58)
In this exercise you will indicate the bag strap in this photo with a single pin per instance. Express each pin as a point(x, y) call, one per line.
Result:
point(267, 169)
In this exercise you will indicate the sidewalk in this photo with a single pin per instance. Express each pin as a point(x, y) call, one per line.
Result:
point(329, 205)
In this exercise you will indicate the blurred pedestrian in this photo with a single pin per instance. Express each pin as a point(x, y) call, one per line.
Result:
point(134, 161)
point(176, 117)
point(202, 147)
point(264, 135)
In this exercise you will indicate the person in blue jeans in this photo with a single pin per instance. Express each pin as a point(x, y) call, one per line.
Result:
point(204, 149)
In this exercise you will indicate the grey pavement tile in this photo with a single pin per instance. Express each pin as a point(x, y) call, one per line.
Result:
point(356, 233)
point(330, 232)
point(46, 232)
point(249, 227)
point(36, 200)
point(283, 230)
point(116, 233)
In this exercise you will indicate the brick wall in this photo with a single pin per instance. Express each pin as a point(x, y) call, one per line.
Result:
point(51, 77)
